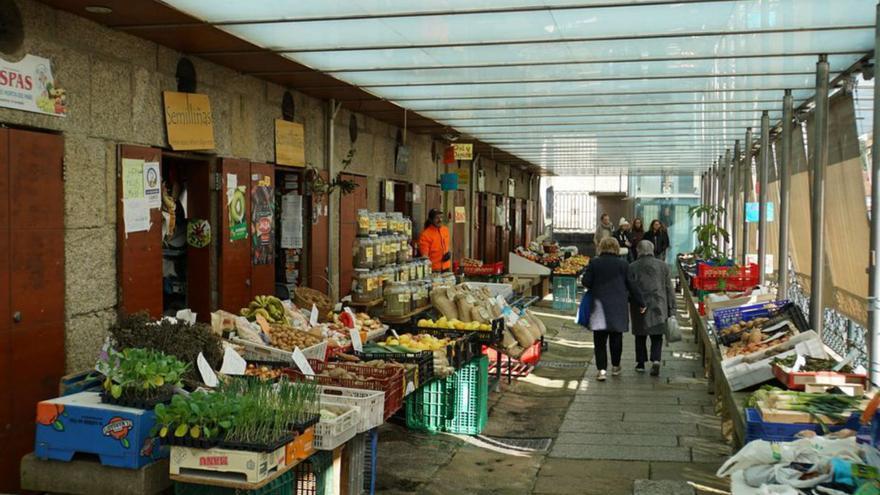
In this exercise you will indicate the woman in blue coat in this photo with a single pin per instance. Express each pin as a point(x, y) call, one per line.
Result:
point(612, 287)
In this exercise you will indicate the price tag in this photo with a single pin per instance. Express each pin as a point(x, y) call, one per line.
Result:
point(299, 359)
point(233, 363)
point(349, 311)
point(313, 317)
point(356, 343)
point(798, 363)
point(208, 375)
point(395, 334)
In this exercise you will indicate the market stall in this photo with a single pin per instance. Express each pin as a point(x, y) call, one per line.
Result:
point(781, 388)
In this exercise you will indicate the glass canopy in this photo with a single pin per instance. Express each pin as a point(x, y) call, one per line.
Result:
point(573, 86)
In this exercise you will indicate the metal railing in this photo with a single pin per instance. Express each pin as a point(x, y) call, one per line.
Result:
point(574, 211)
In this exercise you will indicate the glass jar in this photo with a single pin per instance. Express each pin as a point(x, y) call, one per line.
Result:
point(363, 253)
point(374, 285)
point(391, 248)
point(398, 299)
point(407, 228)
point(427, 268)
point(379, 258)
point(363, 223)
point(402, 273)
point(381, 223)
point(374, 220)
point(361, 287)
point(413, 270)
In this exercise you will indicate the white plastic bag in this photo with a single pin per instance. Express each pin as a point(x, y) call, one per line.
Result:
point(816, 450)
point(673, 331)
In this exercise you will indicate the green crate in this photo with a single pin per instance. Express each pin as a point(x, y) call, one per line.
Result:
point(282, 485)
point(428, 408)
point(470, 403)
point(314, 476)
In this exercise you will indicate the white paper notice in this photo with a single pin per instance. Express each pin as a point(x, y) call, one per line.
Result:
point(299, 359)
point(313, 316)
point(231, 186)
point(233, 363)
point(291, 221)
point(136, 215)
point(356, 343)
point(152, 184)
point(798, 363)
point(208, 375)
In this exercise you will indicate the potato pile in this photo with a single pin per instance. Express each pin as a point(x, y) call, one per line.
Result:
point(287, 338)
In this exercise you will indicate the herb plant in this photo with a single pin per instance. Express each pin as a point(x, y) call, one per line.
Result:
point(141, 373)
point(709, 233)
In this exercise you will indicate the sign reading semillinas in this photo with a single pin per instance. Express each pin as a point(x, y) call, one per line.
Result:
point(28, 85)
point(188, 121)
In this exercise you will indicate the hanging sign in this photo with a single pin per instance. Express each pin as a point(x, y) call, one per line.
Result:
point(29, 85)
point(460, 214)
point(511, 187)
point(189, 121)
point(449, 155)
point(481, 181)
point(464, 175)
point(263, 221)
point(753, 214)
point(464, 151)
point(289, 144)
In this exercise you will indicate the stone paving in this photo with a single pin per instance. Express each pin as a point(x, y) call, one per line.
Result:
point(633, 434)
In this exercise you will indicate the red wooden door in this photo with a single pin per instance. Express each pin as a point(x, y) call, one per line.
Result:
point(348, 227)
point(262, 246)
point(139, 254)
point(503, 231)
point(459, 229)
point(33, 327)
point(320, 240)
point(199, 285)
point(433, 199)
point(234, 267)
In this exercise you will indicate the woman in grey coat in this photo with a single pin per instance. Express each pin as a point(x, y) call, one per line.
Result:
point(653, 279)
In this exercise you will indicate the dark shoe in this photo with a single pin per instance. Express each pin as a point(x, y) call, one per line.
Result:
point(655, 369)
point(640, 368)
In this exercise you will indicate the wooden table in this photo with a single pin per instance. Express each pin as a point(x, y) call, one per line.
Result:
point(732, 403)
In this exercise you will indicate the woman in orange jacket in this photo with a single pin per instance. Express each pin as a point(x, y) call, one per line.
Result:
point(434, 242)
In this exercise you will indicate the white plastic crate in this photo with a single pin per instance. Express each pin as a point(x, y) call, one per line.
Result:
point(755, 368)
point(262, 352)
point(332, 433)
point(370, 403)
point(356, 452)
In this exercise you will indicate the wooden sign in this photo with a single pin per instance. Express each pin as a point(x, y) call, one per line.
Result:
point(189, 121)
point(464, 151)
point(289, 144)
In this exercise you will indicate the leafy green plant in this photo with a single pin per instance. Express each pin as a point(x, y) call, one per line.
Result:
point(243, 410)
point(709, 233)
point(141, 373)
point(321, 187)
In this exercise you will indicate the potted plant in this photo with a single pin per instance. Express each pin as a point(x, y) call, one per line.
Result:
point(709, 234)
point(140, 377)
point(199, 420)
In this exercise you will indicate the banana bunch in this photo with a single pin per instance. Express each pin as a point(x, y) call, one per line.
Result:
point(269, 307)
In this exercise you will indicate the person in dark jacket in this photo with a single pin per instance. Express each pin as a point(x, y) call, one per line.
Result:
point(658, 236)
point(638, 231)
point(611, 285)
point(654, 281)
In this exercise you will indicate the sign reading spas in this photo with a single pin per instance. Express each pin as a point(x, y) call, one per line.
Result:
point(189, 121)
point(29, 85)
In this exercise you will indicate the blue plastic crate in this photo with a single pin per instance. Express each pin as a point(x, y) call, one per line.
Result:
point(728, 316)
point(120, 436)
point(758, 429)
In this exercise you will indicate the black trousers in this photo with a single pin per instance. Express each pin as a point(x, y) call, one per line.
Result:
point(642, 348)
point(603, 339)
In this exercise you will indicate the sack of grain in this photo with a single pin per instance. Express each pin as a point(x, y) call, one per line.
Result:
point(440, 300)
point(522, 334)
point(465, 307)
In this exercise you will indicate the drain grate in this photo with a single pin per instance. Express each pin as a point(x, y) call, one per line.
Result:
point(522, 444)
point(561, 364)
